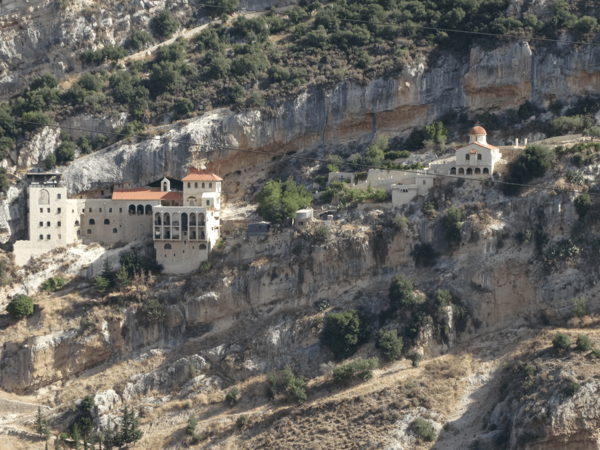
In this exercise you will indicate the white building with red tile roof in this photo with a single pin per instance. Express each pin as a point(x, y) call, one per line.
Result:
point(183, 224)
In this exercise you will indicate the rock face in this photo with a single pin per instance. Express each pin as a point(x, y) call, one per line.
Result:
point(494, 80)
point(34, 152)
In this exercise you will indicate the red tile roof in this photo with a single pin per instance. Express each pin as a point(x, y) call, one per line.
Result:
point(145, 193)
point(477, 130)
point(488, 146)
point(202, 177)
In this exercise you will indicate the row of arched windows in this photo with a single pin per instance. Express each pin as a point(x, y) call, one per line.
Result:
point(461, 171)
point(89, 231)
point(196, 185)
point(93, 222)
point(140, 210)
point(168, 247)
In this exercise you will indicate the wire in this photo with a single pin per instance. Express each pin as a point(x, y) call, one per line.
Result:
point(306, 158)
point(415, 25)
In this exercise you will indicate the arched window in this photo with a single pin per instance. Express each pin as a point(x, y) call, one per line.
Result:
point(461, 171)
point(114, 230)
point(192, 219)
point(479, 157)
point(131, 210)
point(140, 210)
point(78, 232)
point(184, 222)
point(202, 236)
point(44, 198)
point(77, 223)
point(191, 201)
point(201, 219)
point(165, 187)
point(89, 231)
point(106, 222)
point(453, 171)
point(469, 171)
point(202, 185)
point(202, 247)
point(189, 185)
point(207, 202)
point(167, 218)
point(92, 222)
point(167, 246)
point(486, 171)
point(477, 171)
point(148, 210)
point(210, 185)
point(175, 219)
point(157, 219)
point(196, 185)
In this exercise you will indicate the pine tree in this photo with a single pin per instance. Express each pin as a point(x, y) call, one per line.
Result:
point(108, 437)
point(76, 437)
point(57, 443)
point(129, 429)
point(107, 272)
point(191, 426)
point(122, 277)
point(46, 427)
point(39, 422)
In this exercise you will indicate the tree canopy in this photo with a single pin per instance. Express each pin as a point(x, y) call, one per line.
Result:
point(278, 201)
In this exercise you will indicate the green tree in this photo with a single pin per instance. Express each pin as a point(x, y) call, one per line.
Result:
point(582, 204)
point(6, 144)
point(165, 77)
point(390, 343)
point(39, 422)
point(255, 100)
point(122, 277)
point(183, 106)
point(361, 367)
point(579, 307)
point(87, 404)
point(45, 81)
point(153, 312)
point(139, 39)
point(224, 6)
point(561, 341)
point(443, 298)
point(423, 429)
point(232, 396)
point(20, 306)
point(76, 437)
point(65, 152)
point(50, 161)
point(452, 224)
point(166, 24)
point(129, 431)
point(278, 201)
point(33, 120)
point(317, 38)
point(401, 293)
point(533, 162)
point(344, 332)
point(296, 386)
point(216, 65)
point(586, 25)
point(85, 143)
point(101, 284)
point(191, 425)
point(296, 14)
point(90, 82)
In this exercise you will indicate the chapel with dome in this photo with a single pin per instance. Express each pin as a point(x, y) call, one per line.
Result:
point(477, 158)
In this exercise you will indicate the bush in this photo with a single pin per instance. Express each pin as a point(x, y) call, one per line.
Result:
point(225, 6)
point(582, 204)
point(53, 284)
point(65, 152)
point(401, 293)
point(586, 25)
point(90, 82)
point(452, 223)
point(415, 357)
point(390, 343)
point(278, 201)
point(401, 222)
point(596, 353)
point(361, 367)
point(423, 430)
point(166, 24)
point(50, 161)
point(344, 332)
point(216, 65)
point(526, 110)
point(20, 306)
point(574, 177)
point(322, 234)
point(45, 81)
point(205, 267)
point(296, 386)
point(572, 389)
point(529, 370)
point(152, 312)
point(232, 395)
point(579, 307)
point(165, 76)
point(85, 144)
point(87, 404)
point(242, 420)
point(183, 106)
point(561, 341)
point(533, 162)
point(192, 422)
point(101, 284)
point(255, 100)
point(584, 343)
point(33, 120)
point(140, 39)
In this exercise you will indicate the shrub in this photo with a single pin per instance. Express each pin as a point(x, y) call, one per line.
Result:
point(101, 284)
point(424, 255)
point(20, 306)
point(139, 39)
point(53, 284)
point(255, 100)
point(65, 152)
point(401, 293)
point(278, 201)
point(45, 81)
point(296, 14)
point(322, 233)
point(533, 162)
point(452, 223)
point(225, 6)
point(443, 298)
point(390, 343)
point(561, 341)
point(166, 24)
point(4, 183)
point(192, 422)
point(572, 389)
point(273, 381)
point(574, 177)
point(575, 123)
point(35, 119)
point(344, 332)
point(153, 312)
point(183, 106)
point(582, 204)
point(216, 65)
point(596, 353)
point(579, 307)
point(529, 370)
point(237, 94)
point(85, 144)
point(584, 343)
point(242, 420)
point(50, 161)
point(87, 404)
point(423, 430)
point(401, 222)
point(526, 110)
point(586, 25)
point(361, 367)
point(232, 395)
point(90, 82)
point(415, 357)
point(296, 386)
point(165, 76)
point(205, 267)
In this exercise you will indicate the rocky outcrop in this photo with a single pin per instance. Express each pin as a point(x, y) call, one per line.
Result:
point(494, 80)
point(13, 214)
point(34, 152)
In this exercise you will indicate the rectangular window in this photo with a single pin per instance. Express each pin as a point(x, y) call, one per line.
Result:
point(479, 156)
point(100, 209)
point(48, 224)
point(83, 210)
point(424, 182)
point(58, 224)
point(101, 192)
point(120, 209)
point(58, 196)
point(41, 224)
point(41, 237)
point(48, 237)
point(90, 209)
point(48, 209)
point(58, 210)
point(59, 236)
point(42, 210)
point(467, 156)
point(109, 210)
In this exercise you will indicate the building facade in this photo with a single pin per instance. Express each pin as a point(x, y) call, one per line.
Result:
point(187, 232)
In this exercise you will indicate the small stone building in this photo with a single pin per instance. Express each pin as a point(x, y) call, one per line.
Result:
point(303, 217)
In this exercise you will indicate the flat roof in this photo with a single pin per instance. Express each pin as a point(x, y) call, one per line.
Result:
point(145, 193)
